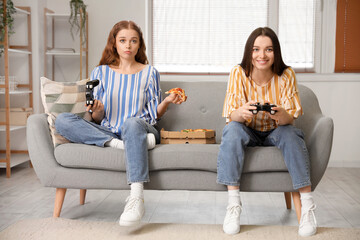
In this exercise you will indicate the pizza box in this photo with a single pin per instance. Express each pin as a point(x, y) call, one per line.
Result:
point(18, 116)
point(179, 137)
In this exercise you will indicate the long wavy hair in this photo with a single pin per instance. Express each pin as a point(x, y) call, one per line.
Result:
point(110, 55)
point(278, 66)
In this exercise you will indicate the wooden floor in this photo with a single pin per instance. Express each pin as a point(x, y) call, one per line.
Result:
point(337, 198)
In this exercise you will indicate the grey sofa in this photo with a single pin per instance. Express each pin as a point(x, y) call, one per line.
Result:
point(179, 166)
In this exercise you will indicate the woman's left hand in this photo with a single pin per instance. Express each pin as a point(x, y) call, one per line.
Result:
point(281, 116)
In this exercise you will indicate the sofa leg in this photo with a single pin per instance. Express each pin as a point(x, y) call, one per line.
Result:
point(297, 204)
point(59, 200)
point(287, 200)
point(82, 196)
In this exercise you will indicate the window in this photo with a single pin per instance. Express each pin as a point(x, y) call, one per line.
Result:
point(208, 36)
point(296, 32)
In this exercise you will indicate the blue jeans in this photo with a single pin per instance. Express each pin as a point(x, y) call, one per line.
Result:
point(289, 139)
point(133, 133)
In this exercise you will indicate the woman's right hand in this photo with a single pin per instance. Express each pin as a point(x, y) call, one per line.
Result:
point(173, 98)
point(97, 110)
point(243, 113)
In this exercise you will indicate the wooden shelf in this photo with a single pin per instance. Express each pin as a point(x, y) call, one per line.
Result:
point(19, 51)
point(16, 159)
point(22, 10)
point(12, 92)
point(57, 14)
point(64, 54)
point(12, 128)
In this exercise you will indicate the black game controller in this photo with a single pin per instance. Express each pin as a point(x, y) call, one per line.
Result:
point(90, 91)
point(265, 107)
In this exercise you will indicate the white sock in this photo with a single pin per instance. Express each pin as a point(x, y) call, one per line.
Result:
point(306, 200)
point(151, 141)
point(137, 190)
point(234, 197)
point(115, 143)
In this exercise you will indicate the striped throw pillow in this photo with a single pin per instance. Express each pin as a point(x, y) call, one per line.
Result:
point(59, 97)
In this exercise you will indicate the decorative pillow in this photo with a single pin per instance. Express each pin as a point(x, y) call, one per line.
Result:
point(59, 97)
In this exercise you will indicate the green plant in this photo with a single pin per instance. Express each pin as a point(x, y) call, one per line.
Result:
point(7, 21)
point(77, 12)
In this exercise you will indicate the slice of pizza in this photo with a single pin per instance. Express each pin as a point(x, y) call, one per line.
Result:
point(197, 130)
point(202, 130)
point(178, 91)
point(187, 130)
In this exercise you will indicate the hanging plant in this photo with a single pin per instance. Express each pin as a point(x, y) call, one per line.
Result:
point(77, 12)
point(7, 21)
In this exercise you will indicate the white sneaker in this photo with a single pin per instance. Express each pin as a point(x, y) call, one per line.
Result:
point(133, 212)
point(232, 219)
point(308, 224)
point(151, 141)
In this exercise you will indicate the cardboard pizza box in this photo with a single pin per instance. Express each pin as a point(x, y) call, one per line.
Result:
point(179, 137)
point(18, 116)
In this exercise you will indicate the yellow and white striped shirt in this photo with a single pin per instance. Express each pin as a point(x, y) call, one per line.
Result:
point(280, 90)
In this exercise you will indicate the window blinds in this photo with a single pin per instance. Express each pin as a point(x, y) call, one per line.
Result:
point(296, 33)
point(208, 36)
point(347, 36)
point(203, 35)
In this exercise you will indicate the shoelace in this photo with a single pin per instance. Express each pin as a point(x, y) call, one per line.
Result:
point(131, 203)
point(234, 211)
point(306, 217)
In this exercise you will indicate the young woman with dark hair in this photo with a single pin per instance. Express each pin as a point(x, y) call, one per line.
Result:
point(127, 106)
point(262, 77)
point(278, 66)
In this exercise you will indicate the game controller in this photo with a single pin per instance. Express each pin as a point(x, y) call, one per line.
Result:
point(90, 91)
point(267, 107)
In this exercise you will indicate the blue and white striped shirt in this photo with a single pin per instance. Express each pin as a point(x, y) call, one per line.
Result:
point(127, 95)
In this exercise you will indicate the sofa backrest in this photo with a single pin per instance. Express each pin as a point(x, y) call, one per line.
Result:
point(203, 108)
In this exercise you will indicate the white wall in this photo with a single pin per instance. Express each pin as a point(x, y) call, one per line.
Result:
point(337, 93)
point(102, 17)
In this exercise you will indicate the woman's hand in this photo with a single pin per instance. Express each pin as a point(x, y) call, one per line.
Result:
point(97, 110)
point(243, 113)
point(281, 116)
point(173, 98)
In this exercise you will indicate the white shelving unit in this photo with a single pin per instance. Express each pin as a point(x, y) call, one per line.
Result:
point(8, 157)
point(51, 51)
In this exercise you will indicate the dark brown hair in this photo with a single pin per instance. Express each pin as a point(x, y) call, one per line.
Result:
point(278, 66)
point(110, 55)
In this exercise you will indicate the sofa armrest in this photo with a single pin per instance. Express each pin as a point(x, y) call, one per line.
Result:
point(41, 148)
point(319, 146)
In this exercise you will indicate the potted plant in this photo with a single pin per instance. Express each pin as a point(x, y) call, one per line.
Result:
point(77, 12)
point(6, 20)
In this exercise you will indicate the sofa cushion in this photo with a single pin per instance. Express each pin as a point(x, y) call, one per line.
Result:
point(167, 157)
point(58, 97)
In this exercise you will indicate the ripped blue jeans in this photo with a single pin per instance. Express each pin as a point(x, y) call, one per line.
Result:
point(289, 139)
